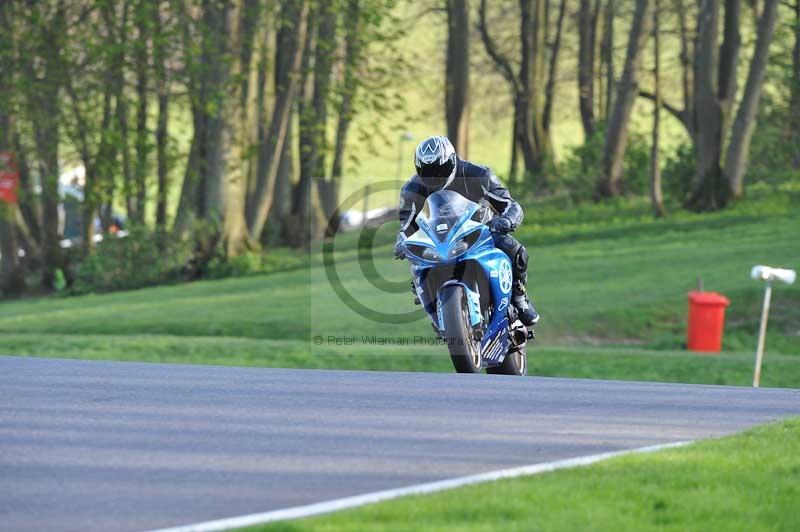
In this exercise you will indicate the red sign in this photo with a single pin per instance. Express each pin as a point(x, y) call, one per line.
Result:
point(9, 177)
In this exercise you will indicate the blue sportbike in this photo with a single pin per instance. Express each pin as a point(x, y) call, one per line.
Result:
point(464, 284)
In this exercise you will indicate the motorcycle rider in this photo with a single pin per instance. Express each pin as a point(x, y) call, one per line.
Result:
point(438, 167)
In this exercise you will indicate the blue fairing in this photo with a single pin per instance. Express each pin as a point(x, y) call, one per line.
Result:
point(446, 248)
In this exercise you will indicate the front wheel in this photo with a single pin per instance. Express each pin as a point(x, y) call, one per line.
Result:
point(464, 351)
point(515, 363)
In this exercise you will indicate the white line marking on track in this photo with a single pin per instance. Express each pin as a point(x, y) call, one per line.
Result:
point(334, 505)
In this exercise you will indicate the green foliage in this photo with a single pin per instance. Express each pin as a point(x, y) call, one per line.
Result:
point(582, 164)
point(775, 150)
point(256, 262)
point(244, 264)
point(678, 173)
point(636, 164)
point(60, 282)
point(143, 258)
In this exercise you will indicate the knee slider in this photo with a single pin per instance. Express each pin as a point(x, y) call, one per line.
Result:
point(509, 245)
point(521, 258)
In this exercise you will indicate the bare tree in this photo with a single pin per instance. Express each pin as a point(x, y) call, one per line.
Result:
point(528, 84)
point(744, 124)
point(204, 192)
point(248, 15)
point(708, 112)
point(609, 183)
point(685, 54)
point(552, 71)
point(587, 30)
point(353, 58)
point(607, 57)
point(160, 41)
point(457, 75)
point(313, 110)
point(795, 89)
point(116, 19)
point(142, 19)
point(289, 53)
point(43, 63)
point(656, 196)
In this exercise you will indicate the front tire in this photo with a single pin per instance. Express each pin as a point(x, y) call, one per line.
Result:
point(464, 351)
point(515, 363)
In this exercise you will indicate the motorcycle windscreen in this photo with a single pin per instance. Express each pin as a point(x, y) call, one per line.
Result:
point(443, 209)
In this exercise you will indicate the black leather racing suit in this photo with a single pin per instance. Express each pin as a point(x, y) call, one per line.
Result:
point(479, 184)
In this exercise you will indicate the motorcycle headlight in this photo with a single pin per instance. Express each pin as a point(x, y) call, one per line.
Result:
point(423, 252)
point(464, 244)
point(458, 248)
point(430, 254)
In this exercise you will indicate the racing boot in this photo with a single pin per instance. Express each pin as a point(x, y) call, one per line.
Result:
point(519, 298)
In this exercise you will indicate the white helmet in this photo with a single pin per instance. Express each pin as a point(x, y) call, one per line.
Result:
point(435, 160)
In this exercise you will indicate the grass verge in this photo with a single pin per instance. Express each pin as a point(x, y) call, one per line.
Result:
point(614, 363)
point(750, 481)
point(610, 281)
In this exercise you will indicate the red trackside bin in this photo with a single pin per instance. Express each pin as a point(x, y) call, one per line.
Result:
point(706, 321)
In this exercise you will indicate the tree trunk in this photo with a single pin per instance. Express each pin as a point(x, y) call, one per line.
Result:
point(456, 92)
point(249, 19)
point(656, 196)
point(529, 102)
point(686, 63)
point(313, 107)
point(118, 79)
point(739, 148)
point(236, 236)
point(610, 183)
point(280, 227)
point(607, 54)
point(552, 69)
point(710, 191)
point(142, 100)
point(162, 124)
point(44, 103)
point(538, 80)
point(291, 39)
point(46, 132)
point(586, 53)
point(795, 90)
point(513, 170)
point(729, 59)
point(30, 209)
point(329, 189)
point(188, 202)
point(217, 18)
point(264, 66)
point(528, 86)
point(205, 188)
point(12, 279)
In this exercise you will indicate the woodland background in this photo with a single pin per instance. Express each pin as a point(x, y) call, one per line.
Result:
point(223, 134)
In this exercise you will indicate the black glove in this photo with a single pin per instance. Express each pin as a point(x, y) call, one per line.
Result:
point(399, 250)
point(500, 225)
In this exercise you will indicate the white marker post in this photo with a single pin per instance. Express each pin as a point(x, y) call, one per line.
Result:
point(765, 273)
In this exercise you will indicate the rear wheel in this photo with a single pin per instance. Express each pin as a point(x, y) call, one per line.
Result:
point(464, 351)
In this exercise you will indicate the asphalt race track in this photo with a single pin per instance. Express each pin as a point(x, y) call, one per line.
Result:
point(121, 446)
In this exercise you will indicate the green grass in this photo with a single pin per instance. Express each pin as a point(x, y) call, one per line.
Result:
point(750, 481)
point(610, 281)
